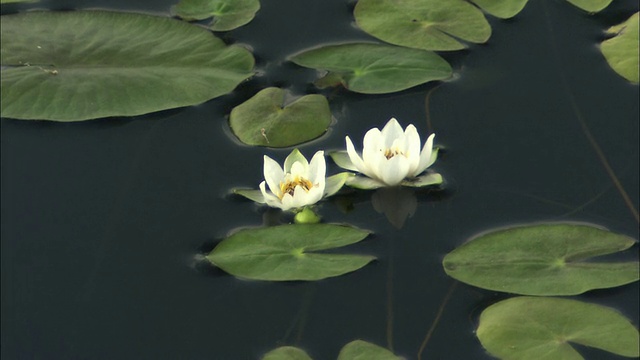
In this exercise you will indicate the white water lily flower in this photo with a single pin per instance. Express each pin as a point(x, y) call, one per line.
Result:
point(390, 157)
point(300, 183)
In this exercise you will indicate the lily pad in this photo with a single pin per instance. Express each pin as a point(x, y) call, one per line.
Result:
point(227, 14)
point(591, 5)
point(16, 1)
point(529, 328)
point(79, 65)
point(547, 259)
point(286, 353)
point(362, 350)
point(374, 68)
point(503, 9)
point(621, 51)
point(289, 252)
point(425, 24)
point(264, 121)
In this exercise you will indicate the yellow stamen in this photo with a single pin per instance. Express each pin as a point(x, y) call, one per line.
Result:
point(389, 153)
point(289, 186)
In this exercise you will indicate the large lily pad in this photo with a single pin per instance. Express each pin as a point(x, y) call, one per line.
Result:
point(425, 24)
point(227, 14)
point(591, 5)
point(264, 120)
point(621, 51)
point(503, 9)
point(286, 353)
point(528, 328)
point(362, 350)
point(289, 252)
point(547, 259)
point(79, 65)
point(374, 68)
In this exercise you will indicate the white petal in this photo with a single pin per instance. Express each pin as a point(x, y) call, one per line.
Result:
point(391, 131)
point(341, 158)
point(373, 146)
point(335, 183)
point(412, 151)
point(269, 198)
point(426, 159)
point(394, 170)
point(273, 174)
point(299, 169)
point(287, 202)
point(295, 156)
point(313, 196)
point(354, 157)
point(317, 169)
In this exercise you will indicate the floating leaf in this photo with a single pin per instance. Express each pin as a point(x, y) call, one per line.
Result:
point(503, 9)
point(542, 260)
point(227, 14)
point(79, 65)
point(362, 350)
point(529, 328)
point(621, 51)
point(374, 68)
point(591, 5)
point(286, 353)
point(16, 1)
point(425, 24)
point(287, 252)
point(264, 121)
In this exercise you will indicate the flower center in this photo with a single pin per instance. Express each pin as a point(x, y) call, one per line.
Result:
point(289, 185)
point(389, 153)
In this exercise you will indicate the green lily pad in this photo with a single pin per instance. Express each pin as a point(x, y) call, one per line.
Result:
point(227, 14)
point(286, 353)
point(264, 121)
point(530, 328)
point(545, 259)
point(503, 9)
point(621, 51)
point(80, 65)
point(425, 24)
point(289, 252)
point(591, 5)
point(362, 350)
point(374, 68)
point(16, 1)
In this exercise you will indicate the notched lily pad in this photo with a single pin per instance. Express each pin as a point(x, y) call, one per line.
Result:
point(362, 350)
point(533, 328)
point(503, 9)
point(425, 24)
point(546, 259)
point(264, 120)
point(621, 51)
point(227, 14)
point(80, 65)
point(591, 5)
point(289, 252)
point(374, 68)
point(286, 353)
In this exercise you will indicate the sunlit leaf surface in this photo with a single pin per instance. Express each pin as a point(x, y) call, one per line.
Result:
point(425, 24)
point(286, 353)
point(227, 14)
point(547, 259)
point(79, 65)
point(374, 68)
point(591, 5)
point(289, 252)
point(539, 328)
point(501, 8)
point(362, 350)
point(621, 51)
point(265, 119)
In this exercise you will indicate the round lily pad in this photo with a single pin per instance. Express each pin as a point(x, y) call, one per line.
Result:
point(227, 14)
point(621, 51)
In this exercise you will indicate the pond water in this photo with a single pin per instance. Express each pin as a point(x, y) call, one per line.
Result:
point(102, 220)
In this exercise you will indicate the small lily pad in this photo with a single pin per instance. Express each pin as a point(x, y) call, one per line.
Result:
point(263, 120)
point(503, 9)
point(591, 5)
point(374, 68)
point(80, 65)
point(289, 252)
point(362, 350)
point(532, 328)
point(547, 259)
point(621, 51)
point(286, 353)
point(227, 14)
point(426, 24)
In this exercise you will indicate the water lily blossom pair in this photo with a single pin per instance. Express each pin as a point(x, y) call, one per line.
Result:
point(390, 157)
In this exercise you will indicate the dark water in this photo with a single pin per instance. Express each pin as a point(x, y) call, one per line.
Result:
point(101, 220)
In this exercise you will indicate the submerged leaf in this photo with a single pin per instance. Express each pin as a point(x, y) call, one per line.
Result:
point(530, 328)
point(264, 121)
point(288, 252)
point(503, 9)
point(286, 353)
point(545, 259)
point(374, 68)
point(621, 51)
point(79, 65)
point(425, 24)
point(591, 5)
point(227, 14)
point(362, 350)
